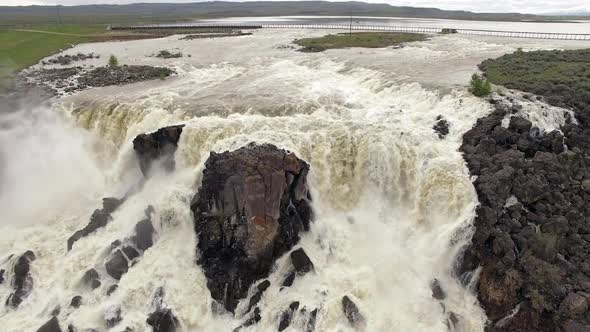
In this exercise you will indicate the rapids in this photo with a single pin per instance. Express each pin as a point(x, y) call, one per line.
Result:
point(393, 202)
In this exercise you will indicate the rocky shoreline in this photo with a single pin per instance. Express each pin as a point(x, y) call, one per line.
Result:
point(532, 238)
point(59, 81)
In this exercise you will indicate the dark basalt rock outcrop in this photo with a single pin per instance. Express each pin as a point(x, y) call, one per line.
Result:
point(125, 253)
point(159, 145)
point(99, 219)
point(76, 301)
point(301, 266)
point(91, 279)
point(251, 207)
point(441, 127)
point(112, 316)
point(22, 280)
point(162, 319)
point(253, 319)
point(51, 325)
point(287, 316)
point(118, 75)
point(263, 286)
point(532, 235)
point(351, 312)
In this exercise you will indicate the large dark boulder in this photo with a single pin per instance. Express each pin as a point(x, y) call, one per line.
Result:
point(124, 253)
point(163, 321)
point(91, 279)
point(441, 127)
point(22, 280)
point(117, 264)
point(157, 146)
point(250, 209)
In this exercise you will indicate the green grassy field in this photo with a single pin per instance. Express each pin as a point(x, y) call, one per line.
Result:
point(20, 49)
point(563, 76)
point(359, 39)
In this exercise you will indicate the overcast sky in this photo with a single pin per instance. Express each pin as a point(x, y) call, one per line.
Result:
point(522, 6)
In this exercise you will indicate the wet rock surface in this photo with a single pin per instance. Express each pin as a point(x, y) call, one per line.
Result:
point(351, 312)
point(311, 49)
point(124, 253)
point(67, 59)
point(51, 325)
point(441, 127)
point(22, 280)
point(162, 319)
point(91, 279)
point(532, 229)
point(98, 219)
point(118, 75)
point(250, 209)
point(159, 145)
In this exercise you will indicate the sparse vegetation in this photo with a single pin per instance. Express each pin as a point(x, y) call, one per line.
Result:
point(113, 61)
point(23, 46)
point(479, 87)
point(358, 39)
point(164, 72)
point(563, 77)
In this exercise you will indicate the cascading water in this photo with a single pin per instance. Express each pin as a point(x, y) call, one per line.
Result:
point(393, 202)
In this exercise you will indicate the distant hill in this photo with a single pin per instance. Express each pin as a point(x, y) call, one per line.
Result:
point(160, 12)
point(579, 13)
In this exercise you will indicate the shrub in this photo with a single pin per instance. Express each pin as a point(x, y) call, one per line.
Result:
point(113, 62)
point(479, 87)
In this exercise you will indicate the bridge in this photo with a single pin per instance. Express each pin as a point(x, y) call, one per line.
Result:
point(357, 27)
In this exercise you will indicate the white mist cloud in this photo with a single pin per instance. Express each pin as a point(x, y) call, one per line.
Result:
point(522, 6)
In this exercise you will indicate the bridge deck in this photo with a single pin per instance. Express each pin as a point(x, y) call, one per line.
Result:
point(360, 27)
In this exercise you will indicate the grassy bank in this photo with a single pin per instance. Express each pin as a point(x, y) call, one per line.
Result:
point(359, 39)
point(20, 49)
point(561, 76)
point(23, 47)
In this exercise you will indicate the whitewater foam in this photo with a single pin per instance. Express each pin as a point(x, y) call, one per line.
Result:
point(393, 202)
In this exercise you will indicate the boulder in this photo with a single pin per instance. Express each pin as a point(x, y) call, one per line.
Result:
point(163, 320)
point(144, 231)
point(573, 305)
point(287, 316)
point(112, 316)
point(301, 262)
point(351, 312)
point(253, 319)
point(91, 279)
point(263, 286)
point(250, 209)
point(437, 291)
point(112, 289)
point(117, 265)
point(441, 127)
point(76, 301)
point(519, 125)
point(51, 325)
point(22, 280)
point(159, 145)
